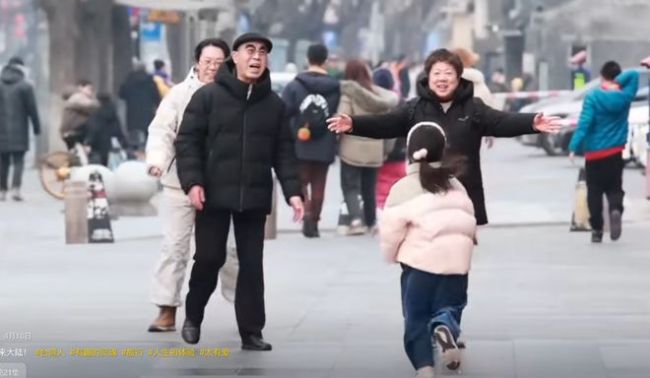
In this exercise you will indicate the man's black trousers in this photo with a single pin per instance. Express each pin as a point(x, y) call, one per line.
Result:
point(604, 176)
point(211, 233)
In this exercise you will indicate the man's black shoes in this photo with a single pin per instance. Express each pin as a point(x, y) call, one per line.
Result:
point(596, 236)
point(310, 229)
point(255, 343)
point(191, 333)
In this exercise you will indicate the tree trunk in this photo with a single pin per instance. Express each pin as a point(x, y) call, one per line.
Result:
point(64, 31)
point(83, 36)
point(61, 16)
point(95, 48)
point(123, 55)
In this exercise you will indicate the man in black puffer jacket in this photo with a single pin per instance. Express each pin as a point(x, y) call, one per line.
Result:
point(233, 132)
point(17, 108)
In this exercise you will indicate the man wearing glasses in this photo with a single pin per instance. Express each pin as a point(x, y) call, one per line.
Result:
point(234, 132)
point(177, 212)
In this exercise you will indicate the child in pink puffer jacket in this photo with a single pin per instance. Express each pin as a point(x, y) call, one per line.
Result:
point(428, 226)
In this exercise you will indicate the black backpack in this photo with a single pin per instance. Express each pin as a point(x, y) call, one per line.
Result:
point(313, 113)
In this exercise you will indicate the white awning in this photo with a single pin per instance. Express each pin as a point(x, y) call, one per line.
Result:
point(178, 5)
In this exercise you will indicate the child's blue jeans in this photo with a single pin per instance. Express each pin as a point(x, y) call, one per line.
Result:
point(429, 300)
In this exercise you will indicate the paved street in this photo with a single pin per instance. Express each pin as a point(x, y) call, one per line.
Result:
point(543, 302)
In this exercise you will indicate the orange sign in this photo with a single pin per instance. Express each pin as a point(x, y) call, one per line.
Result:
point(166, 17)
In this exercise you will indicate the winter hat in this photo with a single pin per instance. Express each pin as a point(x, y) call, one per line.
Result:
point(426, 142)
point(383, 78)
point(252, 37)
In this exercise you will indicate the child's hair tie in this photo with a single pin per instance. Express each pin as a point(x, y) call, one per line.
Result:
point(420, 154)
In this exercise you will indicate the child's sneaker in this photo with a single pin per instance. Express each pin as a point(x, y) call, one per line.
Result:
point(425, 372)
point(448, 347)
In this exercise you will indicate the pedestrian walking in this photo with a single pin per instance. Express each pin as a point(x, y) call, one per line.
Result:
point(161, 77)
point(428, 226)
point(361, 157)
point(498, 81)
point(601, 135)
point(580, 75)
point(447, 99)
point(178, 214)
point(142, 98)
point(234, 132)
point(17, 109)
point(104, 128)
point(311, 98)
point(79, 105)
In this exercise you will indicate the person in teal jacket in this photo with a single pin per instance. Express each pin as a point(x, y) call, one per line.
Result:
point(601, 136)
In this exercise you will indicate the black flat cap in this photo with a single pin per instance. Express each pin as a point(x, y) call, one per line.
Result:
point(252, 37)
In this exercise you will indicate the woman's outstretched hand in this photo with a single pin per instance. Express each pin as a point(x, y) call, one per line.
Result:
point(340, 123)
point(545, 124)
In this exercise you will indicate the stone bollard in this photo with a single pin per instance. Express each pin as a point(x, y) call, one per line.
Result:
point(129, 188)
point(134, 189)
point(76, 219)
point(271, 225)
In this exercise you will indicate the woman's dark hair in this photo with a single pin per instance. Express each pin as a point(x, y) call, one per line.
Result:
point(446, 56)
point(358, 71)
point(216, 42)
point(433, 179)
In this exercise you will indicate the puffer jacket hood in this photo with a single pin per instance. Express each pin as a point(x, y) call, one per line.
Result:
point(377, 101)
point(318, 83)
point(12, 74)
point(227, 78)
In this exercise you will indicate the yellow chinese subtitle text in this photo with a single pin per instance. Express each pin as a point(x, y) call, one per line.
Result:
point(85, 352)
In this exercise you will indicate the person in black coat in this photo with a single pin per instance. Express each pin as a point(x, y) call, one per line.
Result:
point(234, 131)
point(142, 98)
point(447, 99)
point(103, 126)
point(17, 108)
point(315, 152)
